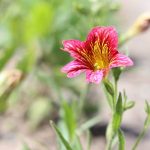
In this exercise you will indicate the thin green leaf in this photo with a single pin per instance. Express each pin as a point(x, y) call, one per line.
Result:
point(69, 118)
point(118, 114)
point(63, 140)
point(119, 104)
point(147, 107)
point(129, 105)
point(125, 95)
point(109, 98)
point(109, 87)
point(87, 125)
point(77, 144)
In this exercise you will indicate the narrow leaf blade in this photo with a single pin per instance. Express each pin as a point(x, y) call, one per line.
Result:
point(109, 87)
point(118, 114)
point(63, 140)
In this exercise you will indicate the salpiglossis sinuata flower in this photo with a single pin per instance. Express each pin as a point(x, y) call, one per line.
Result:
point(95, 56)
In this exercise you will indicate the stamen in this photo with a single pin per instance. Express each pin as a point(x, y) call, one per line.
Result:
point(97, 66)
point(100, 56)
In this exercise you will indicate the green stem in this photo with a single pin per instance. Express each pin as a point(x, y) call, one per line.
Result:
point(140, 137)
point(115, 94)
point(110, 134)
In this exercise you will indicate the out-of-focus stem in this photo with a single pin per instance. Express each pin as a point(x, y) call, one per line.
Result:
point(140, 137)
point(110, 134)
point(111, 130)
point(83, 97)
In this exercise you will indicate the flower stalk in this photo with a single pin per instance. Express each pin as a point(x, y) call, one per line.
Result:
point(145, 128)
point(114, 125)
point(140, 137)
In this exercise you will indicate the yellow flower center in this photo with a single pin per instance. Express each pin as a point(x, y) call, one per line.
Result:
point(100, 56)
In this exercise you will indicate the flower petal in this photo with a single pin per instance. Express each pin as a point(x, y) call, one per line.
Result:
point(121, 60)
point(73, 68)
point(94, 76)
point(105, 35)
point(74, 47)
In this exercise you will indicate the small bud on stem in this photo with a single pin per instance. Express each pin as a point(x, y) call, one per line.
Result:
point(141, 25)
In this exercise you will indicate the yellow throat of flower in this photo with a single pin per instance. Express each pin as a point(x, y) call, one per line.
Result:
point(100, 56)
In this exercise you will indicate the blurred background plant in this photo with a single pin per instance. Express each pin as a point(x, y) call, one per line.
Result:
point(31, 32)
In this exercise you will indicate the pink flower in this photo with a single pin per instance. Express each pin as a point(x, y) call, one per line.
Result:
point(95, 56)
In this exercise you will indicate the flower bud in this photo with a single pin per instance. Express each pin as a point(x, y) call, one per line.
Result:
point(9, 80)
point(142, 23)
